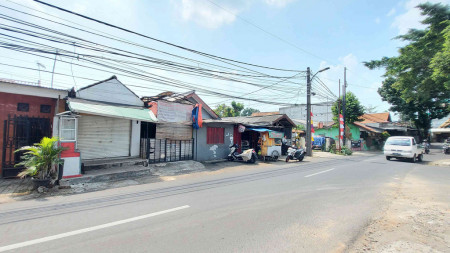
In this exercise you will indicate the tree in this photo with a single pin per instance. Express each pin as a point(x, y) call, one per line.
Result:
point(234, 110)
point(353, 108)
point(417, 82)
point(248, 111)
point(370, 109)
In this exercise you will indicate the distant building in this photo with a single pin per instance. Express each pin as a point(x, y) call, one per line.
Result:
point(321, 112)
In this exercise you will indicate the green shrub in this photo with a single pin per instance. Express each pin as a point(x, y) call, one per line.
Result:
point(332, 149)
point(346, 151)
point(40, 160)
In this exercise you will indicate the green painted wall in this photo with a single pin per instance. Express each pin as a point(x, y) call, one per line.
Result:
point(334, 132)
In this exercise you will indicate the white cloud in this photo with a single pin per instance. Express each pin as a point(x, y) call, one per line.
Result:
point(278, 3)
point(219, 12)
point(377, 20)
point(208, 15)
point(391, 12)
point(411, 18)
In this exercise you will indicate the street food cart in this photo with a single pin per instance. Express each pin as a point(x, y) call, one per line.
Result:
point(269, 143)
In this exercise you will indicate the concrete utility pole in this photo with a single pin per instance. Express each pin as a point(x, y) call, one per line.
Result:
point(308, 112)
point(308, 108)
point(344, 103)
point(339, 112)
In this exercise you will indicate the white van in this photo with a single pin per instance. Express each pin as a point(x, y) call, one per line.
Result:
point(403, 147)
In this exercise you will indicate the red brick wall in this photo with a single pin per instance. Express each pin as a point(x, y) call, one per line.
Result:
point(8, 105)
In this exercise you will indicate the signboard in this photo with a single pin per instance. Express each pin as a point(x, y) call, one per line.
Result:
point(273, 134)
point(174, 112)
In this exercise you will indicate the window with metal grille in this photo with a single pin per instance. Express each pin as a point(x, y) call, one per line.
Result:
point(46, 108)
point(215, 135)
point(23, 107)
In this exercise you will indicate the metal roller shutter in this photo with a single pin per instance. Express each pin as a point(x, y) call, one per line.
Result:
point(103, 137)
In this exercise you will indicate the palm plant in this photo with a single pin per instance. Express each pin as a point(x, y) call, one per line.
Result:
point(40, 160)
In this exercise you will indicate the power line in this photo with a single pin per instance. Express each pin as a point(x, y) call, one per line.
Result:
point(158, 40)
point(46, 49)
point(205, 91)
point(112, 37)
point(55, 39)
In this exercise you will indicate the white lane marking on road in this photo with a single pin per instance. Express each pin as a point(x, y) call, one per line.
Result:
point(85, 230)
point(310, 175)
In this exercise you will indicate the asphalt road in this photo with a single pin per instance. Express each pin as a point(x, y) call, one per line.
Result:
point(296, 207)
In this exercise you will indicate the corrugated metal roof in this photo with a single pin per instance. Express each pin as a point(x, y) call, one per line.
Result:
point(268, 120)
point(256, 114)
point(446, 124)
point(375, 118)
point(109, 110)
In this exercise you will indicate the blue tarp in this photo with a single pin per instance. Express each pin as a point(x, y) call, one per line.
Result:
point(260, 129)
point(318, 141)
point(272, 133)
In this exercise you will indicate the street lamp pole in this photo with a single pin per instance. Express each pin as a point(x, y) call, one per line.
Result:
point(308, 112)
point(308, 108)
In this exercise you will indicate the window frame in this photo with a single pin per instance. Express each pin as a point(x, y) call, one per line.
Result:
point(44, 106)
point(216, 138)
point(19, 104)
point(75, 129)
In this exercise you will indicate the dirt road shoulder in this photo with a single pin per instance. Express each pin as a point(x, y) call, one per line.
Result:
point(417, 220)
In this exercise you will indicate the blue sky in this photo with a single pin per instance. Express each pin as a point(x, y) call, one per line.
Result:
point(325, 34)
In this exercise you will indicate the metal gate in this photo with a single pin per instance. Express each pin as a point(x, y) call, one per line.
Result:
point(20, 131)
point(165, 150)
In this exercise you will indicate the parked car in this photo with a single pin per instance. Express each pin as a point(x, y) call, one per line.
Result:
point(403, 147)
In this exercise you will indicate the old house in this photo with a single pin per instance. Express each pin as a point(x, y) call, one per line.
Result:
point(216, 136)
point(102, 123)
point(442, 132)
point(26, 115)
point(172, 138)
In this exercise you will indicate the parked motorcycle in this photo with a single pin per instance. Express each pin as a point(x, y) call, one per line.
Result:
point(294, 153)
point(446, 148)
point(426, 147)
point(248, 155)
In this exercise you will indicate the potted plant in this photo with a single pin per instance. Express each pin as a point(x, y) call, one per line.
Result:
point(41, 161)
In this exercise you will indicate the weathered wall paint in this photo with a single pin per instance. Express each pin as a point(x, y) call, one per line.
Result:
point(206, 152)
point(334, 132)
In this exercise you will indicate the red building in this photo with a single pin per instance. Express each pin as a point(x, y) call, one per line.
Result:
point(26, 115)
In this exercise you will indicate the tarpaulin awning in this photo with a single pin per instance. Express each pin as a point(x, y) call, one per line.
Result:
point(113, 111)
point(272, 133)
point(260, 129)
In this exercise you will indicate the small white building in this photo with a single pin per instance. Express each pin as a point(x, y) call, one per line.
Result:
point(321, 112)
point(103, 121)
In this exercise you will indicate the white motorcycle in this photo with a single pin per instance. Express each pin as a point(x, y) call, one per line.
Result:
point(294, 153)
point(248, 155)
